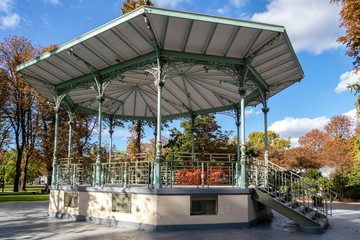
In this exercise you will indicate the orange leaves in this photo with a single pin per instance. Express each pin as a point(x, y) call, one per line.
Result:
point(350, 19)
point(130, 5)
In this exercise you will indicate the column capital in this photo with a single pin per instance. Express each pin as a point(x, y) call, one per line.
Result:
point(111, 131)
point(242, 91)
point(71, 123)
point(100, 98)
point(265, 109)
point(56, 109)
point(238, 123)
point(159, 83)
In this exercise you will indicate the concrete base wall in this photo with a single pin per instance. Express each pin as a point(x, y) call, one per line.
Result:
point(161, 209)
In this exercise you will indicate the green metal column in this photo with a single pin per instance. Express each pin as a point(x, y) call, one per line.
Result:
point(192, 137)
point(244, 181)
point(111, 131)
point(155, 137)
point(57, 100)
point(266, 155)
point(54, 179)
point(158, 159)
point(237, 183)
point(71, 123)
point(100, 99)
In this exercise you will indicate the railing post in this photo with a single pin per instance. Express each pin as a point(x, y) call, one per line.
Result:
point(125, 176)
point(202, 175)
point(93, 174)
point(172, 174)
point(74, 176)
point(152, 175)
point(102, 175)
point(256, 176)
point(166, 174)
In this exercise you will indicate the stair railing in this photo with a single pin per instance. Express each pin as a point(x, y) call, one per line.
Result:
point(290, 189)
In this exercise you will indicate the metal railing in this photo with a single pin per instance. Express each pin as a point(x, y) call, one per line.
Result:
point(185, 169)
point(292, 190)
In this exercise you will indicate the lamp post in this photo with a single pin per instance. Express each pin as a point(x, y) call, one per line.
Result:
point(3, 185)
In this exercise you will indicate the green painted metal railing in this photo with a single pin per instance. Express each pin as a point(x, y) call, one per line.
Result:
point(203, 170)
point(291, 190)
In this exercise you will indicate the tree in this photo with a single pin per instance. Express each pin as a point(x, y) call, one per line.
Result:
point(130, 5)
point(330, 147)
point(256, 143)
point(208, 137)
point(339, 127)
point(16, 108)
point(337, 148)
point(337, 152)
point(350, 19)
point(11, 158)
point(136, 129)
point(299, 159)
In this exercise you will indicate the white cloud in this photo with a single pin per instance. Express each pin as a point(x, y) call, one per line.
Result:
point(52, 2)
point(122, 133)
point(8, 19)
point(353, 115)
point(294, 142)
point(171, 3)
point(251, 112)
point(346, 79)
point(238, 3)
point(313, 25)
point(297, 127)
point(225, 10)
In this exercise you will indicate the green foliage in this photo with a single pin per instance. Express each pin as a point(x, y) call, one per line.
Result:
point(208, 138)
point(32, 172)
point(256, 142)
point(325, 182)
point(338, 183)
point(311, 174)
point(22, 197)
point(354, 177)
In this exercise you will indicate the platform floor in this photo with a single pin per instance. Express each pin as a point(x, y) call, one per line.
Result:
point(30, 221)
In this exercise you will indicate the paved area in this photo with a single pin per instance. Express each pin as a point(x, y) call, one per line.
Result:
point(30, 221)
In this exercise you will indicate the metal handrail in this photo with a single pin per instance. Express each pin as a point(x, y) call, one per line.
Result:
point(288, 188)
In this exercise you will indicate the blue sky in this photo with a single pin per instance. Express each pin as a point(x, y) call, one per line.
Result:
point(313, 27)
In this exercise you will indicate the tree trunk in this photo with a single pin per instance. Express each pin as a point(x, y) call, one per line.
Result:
point(19, 150)
point(24, 173)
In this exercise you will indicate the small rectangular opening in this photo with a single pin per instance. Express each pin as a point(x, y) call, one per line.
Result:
point(71, 199)
point(121, 203)
point(203, 205)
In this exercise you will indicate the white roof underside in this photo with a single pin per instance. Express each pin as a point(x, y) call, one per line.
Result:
point(200, 54)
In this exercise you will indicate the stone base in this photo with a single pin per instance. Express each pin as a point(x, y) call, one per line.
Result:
point(159, 209)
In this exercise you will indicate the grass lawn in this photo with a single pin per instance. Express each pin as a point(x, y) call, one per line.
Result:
point(11, 197)
point(28, 188)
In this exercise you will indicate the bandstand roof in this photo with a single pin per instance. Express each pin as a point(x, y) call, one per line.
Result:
point(203, 57)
